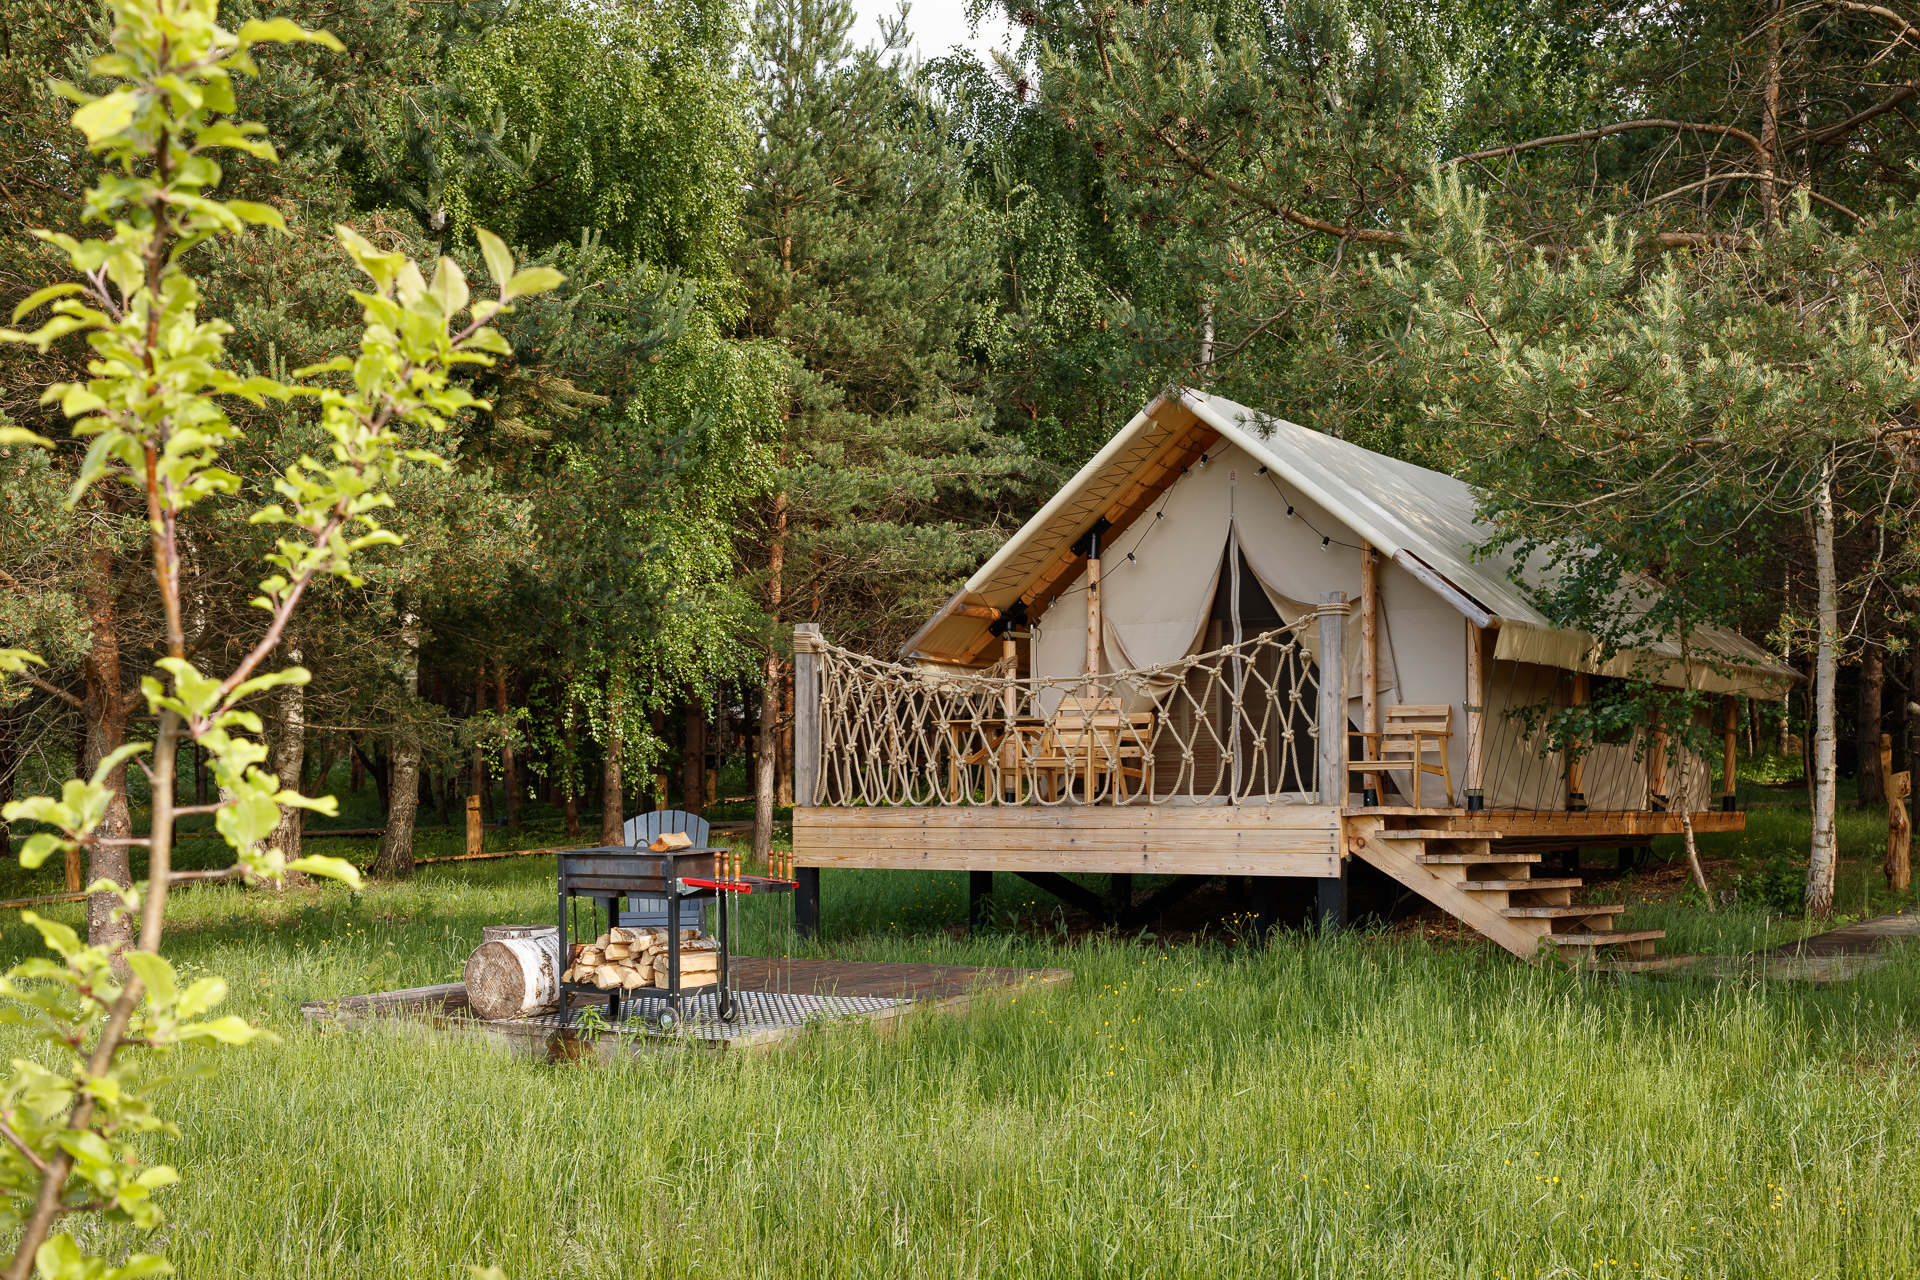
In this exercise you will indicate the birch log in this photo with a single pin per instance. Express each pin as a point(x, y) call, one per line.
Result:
point(514, 977)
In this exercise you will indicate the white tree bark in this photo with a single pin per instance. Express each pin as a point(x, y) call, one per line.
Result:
point(1824, 858)
point(289, 761)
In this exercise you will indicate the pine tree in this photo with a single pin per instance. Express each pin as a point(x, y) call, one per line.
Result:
point(867, 261)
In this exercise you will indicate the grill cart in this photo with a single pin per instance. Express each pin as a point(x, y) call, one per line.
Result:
point(604, 876)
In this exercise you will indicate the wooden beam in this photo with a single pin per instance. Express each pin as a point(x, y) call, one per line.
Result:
point(1334, 778)
point(806, 712)
point(1369, 656)
point(1476, 711)
point(1093, 627)
point(977, 611)
point(1067, 891)
point(1179, 455)
point(1469, 608)
point(1576, 763)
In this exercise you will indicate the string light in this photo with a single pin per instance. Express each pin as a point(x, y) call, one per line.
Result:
point(1325, 542)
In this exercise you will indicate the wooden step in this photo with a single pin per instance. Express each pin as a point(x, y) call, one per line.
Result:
point(1421, 833)
point(1643, 964)
point(1489, 886)
point(1604, 938)
point(1557, 913)
point(1469, 859)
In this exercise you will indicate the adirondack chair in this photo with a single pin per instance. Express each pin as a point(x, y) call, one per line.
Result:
point(1096, 742)
point(1410, 735)
point(640, 832)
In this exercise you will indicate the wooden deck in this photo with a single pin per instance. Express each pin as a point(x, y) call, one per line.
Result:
point(1237, 840)
point(821, 992)
point(1258, 840)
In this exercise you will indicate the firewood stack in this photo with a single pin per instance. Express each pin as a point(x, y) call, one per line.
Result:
point(635, 958)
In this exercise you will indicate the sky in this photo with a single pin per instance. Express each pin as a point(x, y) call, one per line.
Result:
point(937, 26)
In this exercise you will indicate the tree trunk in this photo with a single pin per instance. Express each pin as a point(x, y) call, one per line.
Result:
point(612, 803)
point(396, 842)
point(1770, 119)
point(1822, 864)
point(106, 716)
point(356, 772)
point(1873, 679)
point(481, 786)
point(9, 766)
point(289, 763)
point(569, 768)
point(662, 793)
point(506, 751)
point(784, 789)
point(764, 764)
point(693, 759)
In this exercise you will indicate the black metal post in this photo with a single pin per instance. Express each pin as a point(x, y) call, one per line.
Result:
point(1119, 896)
point(1570, 860)
point(806, 902)
point(1629, 857)
point(613, 996)
point(1331, 910)
point(979, 890)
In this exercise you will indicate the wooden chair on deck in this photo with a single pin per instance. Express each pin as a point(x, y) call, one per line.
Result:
point(642, 831)
point(1096, 740)
point(1407, 736)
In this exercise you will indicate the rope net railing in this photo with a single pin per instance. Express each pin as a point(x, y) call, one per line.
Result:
point(1233, 725)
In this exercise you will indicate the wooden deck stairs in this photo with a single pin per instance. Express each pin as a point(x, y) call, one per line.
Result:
point(1464, 873)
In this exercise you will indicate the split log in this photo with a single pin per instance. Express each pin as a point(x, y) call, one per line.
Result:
point(671, 842)
point(618, 951)
point(633, 979)
point(606, 977)
point(590, 958)
point(707, 979)
point(514, 977)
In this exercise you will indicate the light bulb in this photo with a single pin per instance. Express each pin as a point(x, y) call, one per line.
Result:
point(1326, 542)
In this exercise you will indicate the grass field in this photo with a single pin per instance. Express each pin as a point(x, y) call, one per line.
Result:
point(1372, 1105)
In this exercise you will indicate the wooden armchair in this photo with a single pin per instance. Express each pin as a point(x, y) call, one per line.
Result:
point(1096, 740)
point(1408, 736)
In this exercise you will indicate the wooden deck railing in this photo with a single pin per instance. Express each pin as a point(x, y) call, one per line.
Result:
point(1240, 724)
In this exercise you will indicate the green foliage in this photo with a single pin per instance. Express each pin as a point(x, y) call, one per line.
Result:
point(156, 428)
point(868, 262)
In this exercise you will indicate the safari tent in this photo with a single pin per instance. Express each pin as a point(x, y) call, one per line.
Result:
point(1139, 681)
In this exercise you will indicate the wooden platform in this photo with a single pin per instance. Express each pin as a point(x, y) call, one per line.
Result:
point(1243, 840)
point(1181, 840)
point(786, 998)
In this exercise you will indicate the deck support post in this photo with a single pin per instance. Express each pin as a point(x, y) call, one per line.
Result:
point(979, 890)
point(1334, 783)
point(806, 765)
point(1474, 787)
point(1120, 896)
point(1330, 910)
point(1576, 762)
point(1629, 857)
point(806, 902)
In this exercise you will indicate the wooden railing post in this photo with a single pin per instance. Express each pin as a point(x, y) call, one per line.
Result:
point(806, 714)
point(1333, 781)
point(1331, 904)
point(806, 765)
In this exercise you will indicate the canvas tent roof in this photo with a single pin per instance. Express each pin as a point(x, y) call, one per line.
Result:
point(1421, 519)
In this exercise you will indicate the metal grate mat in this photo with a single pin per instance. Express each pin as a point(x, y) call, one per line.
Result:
point(760, 1011)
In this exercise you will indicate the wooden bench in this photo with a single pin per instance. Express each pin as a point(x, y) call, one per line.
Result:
point(1408, 735)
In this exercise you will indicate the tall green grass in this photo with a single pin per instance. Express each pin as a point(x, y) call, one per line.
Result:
point(1363, 1106)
